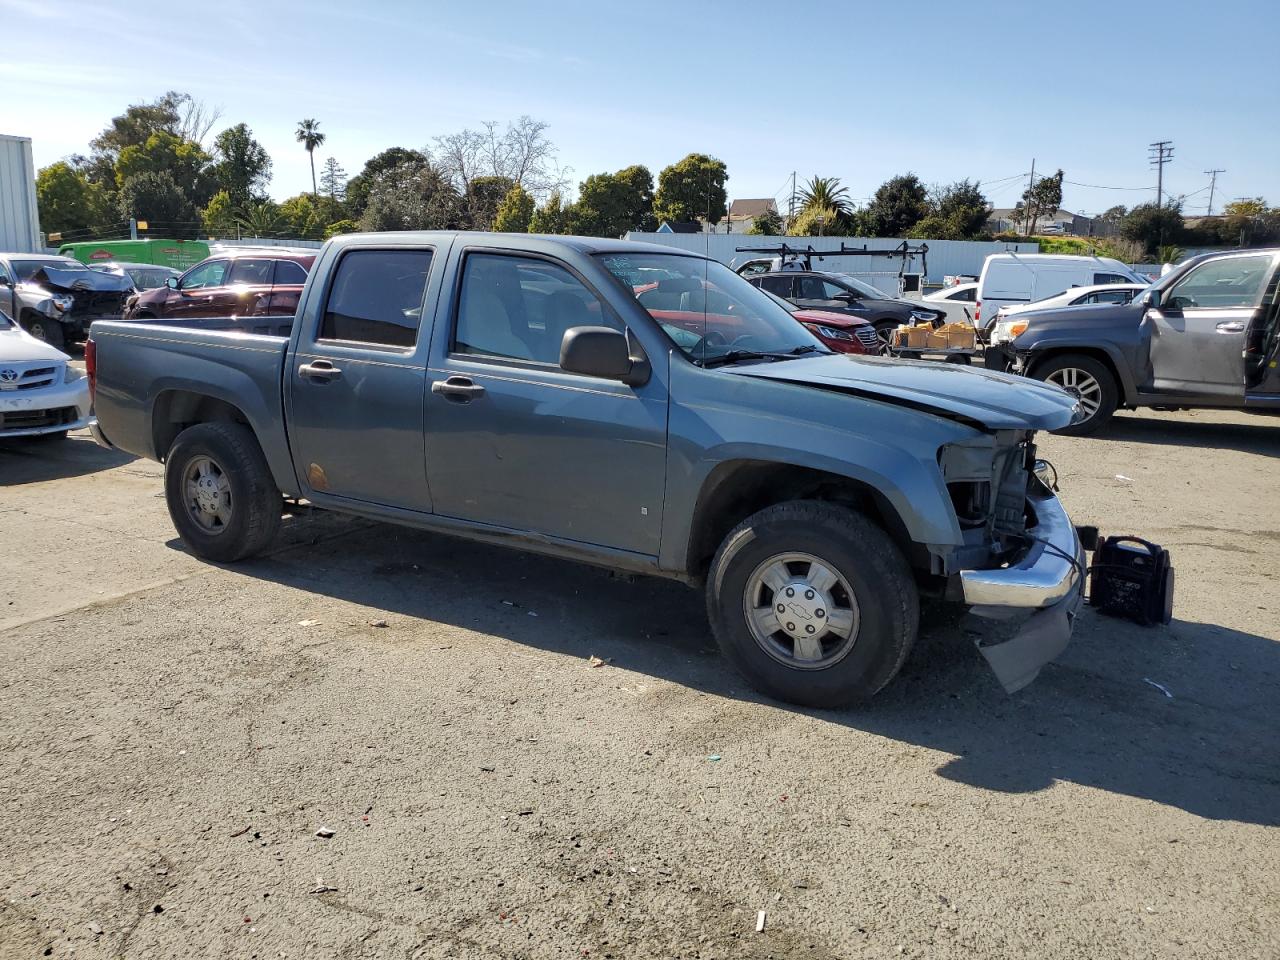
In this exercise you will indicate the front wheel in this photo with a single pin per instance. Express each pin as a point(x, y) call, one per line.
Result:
point(221, 496)
point(812, 603)
point(1090, 382)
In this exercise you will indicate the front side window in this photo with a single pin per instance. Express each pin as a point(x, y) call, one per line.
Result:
point(1230, 282)
point(209, 274)
point(778, 286)
point(249, 271)
point(518, 308)
point(707, 310)
point(376, 297)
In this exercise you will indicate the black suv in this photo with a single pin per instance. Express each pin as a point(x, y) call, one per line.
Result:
point(842, 293)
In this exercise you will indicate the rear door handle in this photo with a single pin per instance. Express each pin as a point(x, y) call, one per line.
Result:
point(1230, 326)
point(457, 389)
point(320, 370)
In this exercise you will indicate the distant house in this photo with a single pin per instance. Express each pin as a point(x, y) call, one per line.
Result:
point(689, 226)
point(742, 213)
point(1064, 222)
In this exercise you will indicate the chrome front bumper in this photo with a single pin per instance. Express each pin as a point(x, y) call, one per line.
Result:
point(1045, 583)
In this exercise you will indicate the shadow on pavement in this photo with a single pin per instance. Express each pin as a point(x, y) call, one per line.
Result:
point(35, 460)
point(1091, 719)
point(1261, 438)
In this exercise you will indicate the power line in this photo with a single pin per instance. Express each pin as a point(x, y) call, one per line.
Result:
point(1099, 186)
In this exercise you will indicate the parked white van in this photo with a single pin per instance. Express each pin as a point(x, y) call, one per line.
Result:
point(1018, 278)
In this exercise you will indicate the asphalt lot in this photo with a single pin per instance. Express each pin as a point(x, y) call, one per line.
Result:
point(173, 735)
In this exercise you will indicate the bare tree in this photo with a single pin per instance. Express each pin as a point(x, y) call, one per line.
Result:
point(520, 153)
point(196, 118)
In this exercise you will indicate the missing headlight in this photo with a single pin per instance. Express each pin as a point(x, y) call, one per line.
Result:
point(972, 501)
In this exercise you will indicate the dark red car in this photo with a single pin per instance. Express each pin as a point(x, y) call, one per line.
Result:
point(839, 331)
point(247, 283)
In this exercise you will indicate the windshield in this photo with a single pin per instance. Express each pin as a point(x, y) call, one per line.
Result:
point(26, 269)
point(784, 304)
point(864, 288)
point(708, 310)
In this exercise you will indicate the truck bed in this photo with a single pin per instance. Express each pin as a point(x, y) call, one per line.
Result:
point(146, 365)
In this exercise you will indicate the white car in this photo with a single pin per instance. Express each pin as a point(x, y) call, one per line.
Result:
point(1075, 297)
point(956, 301)
point(41, 394)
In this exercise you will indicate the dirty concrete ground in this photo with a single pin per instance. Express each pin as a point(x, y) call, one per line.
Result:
point(174, 734)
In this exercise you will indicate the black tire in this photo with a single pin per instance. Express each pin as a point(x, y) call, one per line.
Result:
point(50, 331)
point(887, 602)
point(254, 504)
point(885, 327)
point(1059, 369)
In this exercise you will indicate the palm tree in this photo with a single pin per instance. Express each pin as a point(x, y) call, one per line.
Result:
point(824, 193)
point(260, 219)
point(308, 134)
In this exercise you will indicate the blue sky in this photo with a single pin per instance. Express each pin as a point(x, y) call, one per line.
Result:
point(856, 90)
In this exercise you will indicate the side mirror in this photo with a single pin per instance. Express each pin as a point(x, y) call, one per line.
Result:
point(846, 297)
point(171, 283)
point(601, 352)
point(1151, 298)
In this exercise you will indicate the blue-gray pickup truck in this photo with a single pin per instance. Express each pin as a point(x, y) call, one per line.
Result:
point(625, 405)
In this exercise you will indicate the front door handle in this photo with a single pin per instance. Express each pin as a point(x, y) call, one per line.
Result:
point(321, 370)
point(1230, 326)
point(457, 389)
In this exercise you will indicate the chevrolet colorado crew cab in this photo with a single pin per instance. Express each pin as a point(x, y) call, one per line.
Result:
point(1206, 334)
point(515, 389)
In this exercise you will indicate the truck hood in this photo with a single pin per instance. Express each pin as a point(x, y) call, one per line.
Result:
point(982, 398)
point(1092, 313)
point(18, 346)
point(52, 280)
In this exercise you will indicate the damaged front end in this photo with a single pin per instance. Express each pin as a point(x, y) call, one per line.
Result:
point(73, 298)
point(1021, 558)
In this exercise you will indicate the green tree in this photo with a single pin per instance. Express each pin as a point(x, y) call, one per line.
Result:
point(898, 205)
point(1114, 214)
point(610, 204)
point(138, 122)
point(819, 222)
point(551, 217)
point(333, 181)
point(154, 197)
point(219, 216)
point(243, 166)
point(767, 224)
point(65, 198)
point(515, 212)
point(359, 186)
point(260, 218)
point(484, 195)
point(825, 193)
point(1041, 199)
point(958, 211)
point(691, 189)
point(308, 134)
point(1249, 223)
point(1153, 226)
point(302, 217)
point(339, 227)
point(185, 161)
point(412, 196)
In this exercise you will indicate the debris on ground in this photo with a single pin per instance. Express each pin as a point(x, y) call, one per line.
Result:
point(308, 623)
point(597, 661)
point(379, 623)
point(1123, 479)
point(714, 758)
point(760, 922)
point(322, 887)
point(325, 833)
point(1159, 686)
point(95, 929)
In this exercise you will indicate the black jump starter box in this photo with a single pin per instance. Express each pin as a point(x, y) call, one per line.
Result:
point(1132, 578)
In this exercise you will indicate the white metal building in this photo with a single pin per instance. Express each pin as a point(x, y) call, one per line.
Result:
point(19, 218)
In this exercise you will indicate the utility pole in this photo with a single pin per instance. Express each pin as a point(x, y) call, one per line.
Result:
point(1161, 152)
point(1026, 210)
point(791, 203)
point(1213, 182)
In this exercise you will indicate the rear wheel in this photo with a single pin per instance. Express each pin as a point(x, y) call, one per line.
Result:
point(885, 326)
point(812, 603)
point(1088, 380)
point(50, 331)
point(221, 496)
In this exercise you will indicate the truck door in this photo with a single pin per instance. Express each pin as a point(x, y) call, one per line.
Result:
point(515, 441)
point(356, 379)
point(1199, 331)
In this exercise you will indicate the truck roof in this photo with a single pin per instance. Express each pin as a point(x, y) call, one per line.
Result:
point(586, 245)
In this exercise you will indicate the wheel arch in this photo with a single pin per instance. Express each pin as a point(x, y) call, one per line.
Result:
point(1119, 371)
point(735, 489)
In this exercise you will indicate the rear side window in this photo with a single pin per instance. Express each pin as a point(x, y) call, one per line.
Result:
point(778, 286)
point(968, 296)
point(288, 272)
point(256, 272)
point(1111, 278)
point(376, 297)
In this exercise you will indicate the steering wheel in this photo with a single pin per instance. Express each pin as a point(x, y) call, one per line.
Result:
point(714, 338)
point(1182, 302)
point(741, 341)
